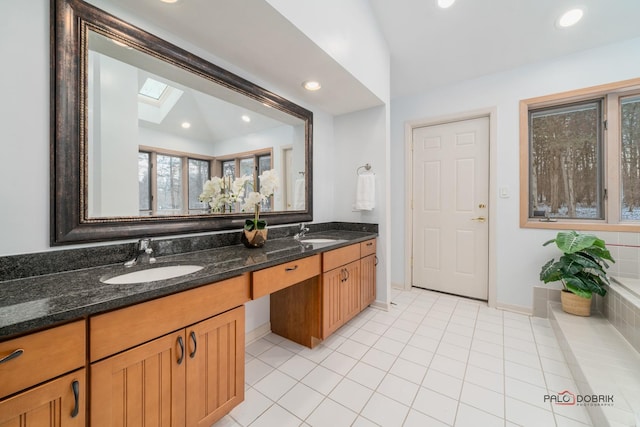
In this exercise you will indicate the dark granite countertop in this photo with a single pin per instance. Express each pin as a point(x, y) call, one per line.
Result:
point(32, 303)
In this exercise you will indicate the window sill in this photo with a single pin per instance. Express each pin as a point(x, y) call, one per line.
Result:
point(579, 225)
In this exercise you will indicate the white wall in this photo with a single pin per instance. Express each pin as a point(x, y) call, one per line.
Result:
point(348, 32)
point(519, 251)
point(24, 123)
point(113, 149)
point(362, 138)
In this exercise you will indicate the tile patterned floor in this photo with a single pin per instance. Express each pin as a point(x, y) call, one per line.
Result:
point(433, 360)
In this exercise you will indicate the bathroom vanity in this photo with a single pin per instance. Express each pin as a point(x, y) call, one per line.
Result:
point(170, 352)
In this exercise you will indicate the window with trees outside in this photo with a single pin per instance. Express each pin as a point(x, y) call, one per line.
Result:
point(252, 164)
point(580, 159)
point(170, 183)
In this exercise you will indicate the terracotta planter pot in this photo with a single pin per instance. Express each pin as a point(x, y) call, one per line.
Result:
point(254, 238)
point(574, 304)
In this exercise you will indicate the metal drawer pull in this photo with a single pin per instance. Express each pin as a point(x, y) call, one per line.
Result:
point(181, 344)
point(192, 335)
point(12, 355)
point(75, 386)
point(295, 267)
point(370, 244)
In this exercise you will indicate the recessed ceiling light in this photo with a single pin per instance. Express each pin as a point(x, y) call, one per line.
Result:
point(445, 3)
point(169, 1)
point(311, 85)
point(570, 18)
point(246, 118)
point(186, 125)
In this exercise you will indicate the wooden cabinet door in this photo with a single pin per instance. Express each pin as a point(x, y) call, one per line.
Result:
point(57, 403)
point(144, 386)
point(368, 280)
point(332, 314)
point(350, 291)
point(340, 296)
point(215, 367)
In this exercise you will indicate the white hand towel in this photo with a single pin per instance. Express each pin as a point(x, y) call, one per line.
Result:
point(298, 195)
point(366, 192)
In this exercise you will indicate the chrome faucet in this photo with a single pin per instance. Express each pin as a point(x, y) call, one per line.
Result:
point(144, 254)
point(300, 234)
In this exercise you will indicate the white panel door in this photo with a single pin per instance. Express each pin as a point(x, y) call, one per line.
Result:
point(450, 207)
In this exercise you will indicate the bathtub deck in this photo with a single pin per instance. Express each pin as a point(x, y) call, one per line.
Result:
point(602, 363)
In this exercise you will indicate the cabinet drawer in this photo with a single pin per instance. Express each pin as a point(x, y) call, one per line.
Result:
point(278, 277)
point(368, 248)
point(44, 355)
point(337, 257)
point(119, 330)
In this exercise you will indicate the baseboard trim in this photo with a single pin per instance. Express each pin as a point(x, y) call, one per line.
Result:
point(257, 333)
point(515, 308)
point(380, 305)
point(400, 286)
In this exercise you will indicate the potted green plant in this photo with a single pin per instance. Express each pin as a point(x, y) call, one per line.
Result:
point(581, 269)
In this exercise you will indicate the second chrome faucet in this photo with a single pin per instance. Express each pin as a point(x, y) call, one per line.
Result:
point(300, 234)
point(143, 255)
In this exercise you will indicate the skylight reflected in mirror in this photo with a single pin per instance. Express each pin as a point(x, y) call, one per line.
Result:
point(153, 88)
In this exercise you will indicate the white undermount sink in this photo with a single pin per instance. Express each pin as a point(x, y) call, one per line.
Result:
point(312, 241)
point(152, 274)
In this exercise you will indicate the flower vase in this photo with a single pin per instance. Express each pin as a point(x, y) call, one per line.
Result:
point(254, 238)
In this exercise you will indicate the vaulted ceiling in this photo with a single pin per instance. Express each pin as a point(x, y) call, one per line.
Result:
point(429, 46)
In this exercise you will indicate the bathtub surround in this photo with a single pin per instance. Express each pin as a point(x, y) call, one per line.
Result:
point(602, 351)
point(602, 363)
point(621, 308)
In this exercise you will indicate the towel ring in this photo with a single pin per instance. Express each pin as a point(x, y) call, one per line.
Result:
point(366, 167)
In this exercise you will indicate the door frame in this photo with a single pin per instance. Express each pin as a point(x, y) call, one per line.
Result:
point(409, 126)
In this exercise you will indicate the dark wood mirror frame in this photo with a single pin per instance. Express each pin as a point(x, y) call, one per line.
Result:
point(70, 20)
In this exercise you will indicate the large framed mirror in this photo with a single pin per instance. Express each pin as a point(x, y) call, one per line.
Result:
point(139, 125)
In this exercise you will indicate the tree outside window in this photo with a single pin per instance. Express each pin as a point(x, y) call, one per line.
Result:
point(630, 158)
point(566, 161)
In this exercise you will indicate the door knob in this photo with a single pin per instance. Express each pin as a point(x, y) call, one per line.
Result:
point(479, 219)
